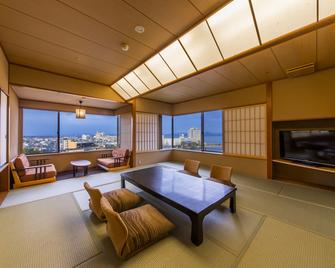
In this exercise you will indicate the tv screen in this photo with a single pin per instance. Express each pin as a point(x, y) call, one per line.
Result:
point(309, 146)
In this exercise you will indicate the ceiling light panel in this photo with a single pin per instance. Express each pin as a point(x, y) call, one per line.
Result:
point(159, 68)
point(127, 87)
point(175, 56)
point(275, 18)
point(200, 46)
point(233, 28)
point(120, 91)
point(147, 77)
point(136, 83)
point(326, 8)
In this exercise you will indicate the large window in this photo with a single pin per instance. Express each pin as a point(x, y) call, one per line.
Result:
point(213, 131)
point(40, 132)
point(166, 131)
point(92, 133)
point(52, 131)
point(187, 131)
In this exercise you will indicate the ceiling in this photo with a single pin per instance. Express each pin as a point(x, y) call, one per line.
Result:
point(267, 65)
point(82, 38)
point(85, 42)
point(29, 93)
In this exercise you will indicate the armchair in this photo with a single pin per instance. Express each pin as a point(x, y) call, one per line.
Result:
point(25, 174)
point(116, 160)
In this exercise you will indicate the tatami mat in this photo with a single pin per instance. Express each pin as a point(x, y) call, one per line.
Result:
point(309, 194)
point(173, 251)
point(316, 218)
point(46, 233)
point(281, 245)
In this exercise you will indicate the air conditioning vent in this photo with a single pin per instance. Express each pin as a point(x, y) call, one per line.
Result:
point(301, 70)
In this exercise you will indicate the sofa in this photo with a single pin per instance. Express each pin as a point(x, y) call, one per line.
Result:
point(25, 174)
point(118, 159)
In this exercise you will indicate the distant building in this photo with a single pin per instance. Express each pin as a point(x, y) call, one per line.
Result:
point(85, 137)
point(194, 134)
point(69, 145)
point(99, 135)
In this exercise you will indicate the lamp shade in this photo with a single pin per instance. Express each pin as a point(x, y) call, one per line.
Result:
point(80, 112)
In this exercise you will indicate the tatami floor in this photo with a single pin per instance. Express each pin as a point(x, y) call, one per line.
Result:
point(276, 225)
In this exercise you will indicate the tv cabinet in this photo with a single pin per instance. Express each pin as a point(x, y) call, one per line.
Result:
point(287, 162)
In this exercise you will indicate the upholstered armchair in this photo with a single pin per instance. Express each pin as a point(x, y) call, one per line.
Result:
point(25, 174)
point(117, 159)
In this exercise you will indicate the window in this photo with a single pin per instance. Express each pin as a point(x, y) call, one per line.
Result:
point(146, 132)
point(3, 128)
point(213, 131)
point(245, 131)
point(92, 133)
point(166, 131)
point(52, 132)
point(187, 131)
point(40, 133)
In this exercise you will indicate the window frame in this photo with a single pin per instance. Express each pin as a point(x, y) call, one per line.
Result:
point(58, 132)
point(202, 129)
point(7, 128)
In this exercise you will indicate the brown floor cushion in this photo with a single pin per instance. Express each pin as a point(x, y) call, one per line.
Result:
point(122, 199)
point(145, 226)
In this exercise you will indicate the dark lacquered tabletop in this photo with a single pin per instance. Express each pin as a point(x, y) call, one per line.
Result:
point(195, 194)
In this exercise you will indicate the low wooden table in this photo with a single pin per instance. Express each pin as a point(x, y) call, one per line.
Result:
point(193, 196)
point(80, 164)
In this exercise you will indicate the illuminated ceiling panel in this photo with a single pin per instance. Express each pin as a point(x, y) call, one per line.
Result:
point(233, 28)
point(326, 8)
point(175, 56)
point(120, 91)
point(136, 82)
point(276, 18)
point(147, 77)
point(127, 87)
point(200, 46)
point(159, 68)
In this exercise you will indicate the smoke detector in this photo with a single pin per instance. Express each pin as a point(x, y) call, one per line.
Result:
point(139, 29)
point(124, 47)
point(301, 70)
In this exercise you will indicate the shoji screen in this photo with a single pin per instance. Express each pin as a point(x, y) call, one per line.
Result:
point(147, 131)
point(245, 131)
point(3, 128)
point(125, 131)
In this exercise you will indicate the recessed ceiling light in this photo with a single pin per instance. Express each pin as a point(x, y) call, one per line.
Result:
point(124, 47)
point(139, 29)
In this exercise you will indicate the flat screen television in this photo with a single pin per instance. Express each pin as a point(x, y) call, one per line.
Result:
point(313, 147)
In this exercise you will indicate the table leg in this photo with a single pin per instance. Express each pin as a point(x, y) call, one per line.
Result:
point(123, 183)
point(85, 171)
point(232, 203)
point(197, 234)
point(74, 171)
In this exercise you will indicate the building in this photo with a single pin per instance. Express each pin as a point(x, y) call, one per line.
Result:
point(221, 113)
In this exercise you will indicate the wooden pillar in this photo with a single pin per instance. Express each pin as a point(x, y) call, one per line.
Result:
point(133, 143)
point(269, 129)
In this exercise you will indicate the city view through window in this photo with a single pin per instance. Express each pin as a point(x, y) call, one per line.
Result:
point(187, 131)
point(40, 132)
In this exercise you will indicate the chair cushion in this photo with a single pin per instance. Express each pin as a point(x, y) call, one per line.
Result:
point(122, 199)
point(145, 225)
point(30, 174)
point(20, 163)
point(107, 162)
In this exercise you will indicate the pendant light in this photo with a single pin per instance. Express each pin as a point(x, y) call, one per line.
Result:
point(80, 112)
